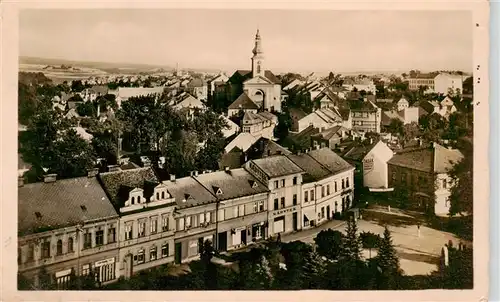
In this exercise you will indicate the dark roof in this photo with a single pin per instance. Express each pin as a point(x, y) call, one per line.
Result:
point(304, 136)
point(436, 159)
point(232, 160)
point(61, 203)
point(329, 133)
point(196, 82)
point(277, 166)
point(102, 89)
point(359, 150)
point(330, 160)
point(424, 76)
point(298, 113)
point(240, 76)
point(118, 182)
point(265, 147)
point(244, 101)
point(233, 183)
point(188, 189)
point(314, 170)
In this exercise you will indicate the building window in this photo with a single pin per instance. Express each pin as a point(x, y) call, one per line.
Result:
point(255, 207)
point(164, 250)
point(322, 212)
point(403, 178)
point(335, 186)
point(153, 228)
point(282, 183)
point(142, 229)
point(444, 183)
point(276, 184)
point(99, 238)
point(221, 215)
point(294, 181)
point(322, 191)
point(202, 218)
point(294, 199)
point(276, 203)
point(133, 200)
point(70, 245)
point(312, 195)
point(140, 257)
point(163, 195)
point(327, 189)
point(164, 223)
point(347, 182)
point(128, 231)
point(393, 176)
point(241, 211)
point(157, 195)
point(63, 282)
point(87, 240)
point(181, 224)
point(343, 184)
point(46, 249)
point(152, 254)
point(111, 235)
point(306, 196)
point(208, 217)
point(282, 202)
point(59, 250)
point(188, 221)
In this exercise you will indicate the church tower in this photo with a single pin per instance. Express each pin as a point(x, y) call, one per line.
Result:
point(258, 57)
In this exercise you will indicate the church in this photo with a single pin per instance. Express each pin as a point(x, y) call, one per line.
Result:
point(257, 89)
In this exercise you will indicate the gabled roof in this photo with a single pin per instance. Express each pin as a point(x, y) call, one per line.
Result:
point(277, 166)
point(314, 170)
point(234, 183)
point(330, 132)
point(437, 159)
point(243, 102)
point(243, 141)
point(240, 76)
point(196, 82)
point(114, 182)
point(359, 150)
point(265, 147)
point(330, 160)
point(62, 203)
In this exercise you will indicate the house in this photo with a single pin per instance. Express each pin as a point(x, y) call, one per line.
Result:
point(185, 102)
point(100, 90)
point(146, 218)
point(402, 104)
point(72, 114)
point(375, 166)
point(422, 80)
point(406, 116)
point(198, 88)
point(261, 124)
point(125, 93)
point(444, 82)
point(447, 107)
point(330, 137)
point(259, 84)
point(242, 104)
point(242, 141)
point(360, 85)
point(217, 83)
point(293, 84)
point(421, 175)
point(296, 115)
point(366, 117)
point(283, 178)
point(326, 185)
point(302, 140)
point(326, 99)
point(194, 216)
point(66, 227)
point(241, 207)
point(322, 119)
point(232, 127)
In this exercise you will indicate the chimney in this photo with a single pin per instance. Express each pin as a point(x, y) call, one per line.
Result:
point(49, 178)
point(226, 168)
point(113, 168)
point(98, 109)
point(92, 172)
point(20, 181)
point(317, 147)
point(195, 173)
point(172, 177)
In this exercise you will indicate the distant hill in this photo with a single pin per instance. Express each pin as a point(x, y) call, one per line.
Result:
point(104, 66)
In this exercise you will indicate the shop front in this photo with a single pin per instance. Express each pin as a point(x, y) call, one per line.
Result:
point(104, 270)
point(188, 248)
point(284, 220)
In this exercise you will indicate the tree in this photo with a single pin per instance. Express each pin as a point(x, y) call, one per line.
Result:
point(27, 102)
point(459, 272)
point(410, 132)
point(86, 109)
point(370, 241)
point(77, 86)
point(329, 243)
point(461, 191)
point(387, 263)
point(351, 247)
point(396, 127)
point(107, 101)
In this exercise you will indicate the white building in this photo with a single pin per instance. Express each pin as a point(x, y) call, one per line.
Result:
point(375, 166)
point(443, 82)
point(322, 119)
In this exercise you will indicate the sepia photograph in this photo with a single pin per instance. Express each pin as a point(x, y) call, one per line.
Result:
point(246, 149)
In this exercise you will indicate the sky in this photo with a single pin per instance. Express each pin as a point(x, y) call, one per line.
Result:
point(292, 40)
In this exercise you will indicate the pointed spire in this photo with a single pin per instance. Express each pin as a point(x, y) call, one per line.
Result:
point(257, 36)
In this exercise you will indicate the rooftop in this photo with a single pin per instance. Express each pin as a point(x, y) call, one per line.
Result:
point(277, 166)
point(437, 159)
point(188, 192)
point(314, 170)
point(243, 102)
point(330, 160)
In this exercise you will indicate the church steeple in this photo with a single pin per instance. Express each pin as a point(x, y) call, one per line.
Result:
point(258, 57)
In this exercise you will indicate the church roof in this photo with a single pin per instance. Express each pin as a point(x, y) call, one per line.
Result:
point(243, 102)
point(240, 76)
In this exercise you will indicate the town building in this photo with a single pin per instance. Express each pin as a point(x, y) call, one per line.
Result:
point(375, 166)
point(366, 118)
point(331, 137)
point(422, 80)
point(444, 82)
point(366, 85)
point(241, 207)
point(261, 124)
point(66, 228)
point(146, 237)
point(259, 84)
point(124, 93)
point(322, 119)
point(421, 176)
point(403, 104)
point(216, 84)
point(283, 178)
point(325, 183)
point(198, 88)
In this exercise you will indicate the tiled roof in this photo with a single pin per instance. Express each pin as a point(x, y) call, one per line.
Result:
point(276, 166)
point(61, 203)
point(330, 132)
point(314, 170)
point(359, 150)
point(197, 82)
point(330, 160)
point(265, 147)
point(244, 101)
point(444, 158)
point(243, 141)
point(298, 113)
point(188, 189)
point(233, 183)
point(134, 178)
point(268, 116)
point(388, 116)
point(232, 160)
point(422, 159)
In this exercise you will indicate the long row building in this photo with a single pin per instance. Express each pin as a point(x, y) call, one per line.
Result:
point(116, 223)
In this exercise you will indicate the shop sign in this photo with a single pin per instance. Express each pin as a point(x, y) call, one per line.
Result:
point(284, 211)
point(105, 262)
